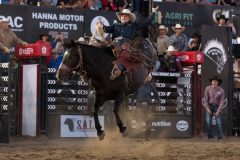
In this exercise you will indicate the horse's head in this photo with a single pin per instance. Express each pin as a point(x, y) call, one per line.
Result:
point(71, 61)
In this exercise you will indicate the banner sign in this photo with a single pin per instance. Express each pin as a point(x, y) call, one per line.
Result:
point(79, 126)
point(192, 16)
point(163, 126)
point(217, 56)
point(54, 20)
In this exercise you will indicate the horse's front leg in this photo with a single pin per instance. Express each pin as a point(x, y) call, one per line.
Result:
point(100, 132)
point(117, 103)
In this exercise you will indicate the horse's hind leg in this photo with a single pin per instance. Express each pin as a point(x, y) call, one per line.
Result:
point(117, 103)
point(98, 126)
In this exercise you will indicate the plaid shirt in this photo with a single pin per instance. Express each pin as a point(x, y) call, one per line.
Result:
point(214, 96)
point(179, 43)
point(8, 39)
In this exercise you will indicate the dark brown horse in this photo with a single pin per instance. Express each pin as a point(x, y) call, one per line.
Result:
point(97, 64)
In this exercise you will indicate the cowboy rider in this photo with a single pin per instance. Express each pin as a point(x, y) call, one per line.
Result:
point(126, 29)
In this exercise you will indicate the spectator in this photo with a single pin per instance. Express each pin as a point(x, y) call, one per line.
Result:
point(55, 59)
point(44, 38)
point(168, 62)
point(222, 21)
point(59, 48)
point(179, 40)
point(194, 43)
point(143, 98)
point(213, 103)
point(162, 40)
point(8, 39)
point(58, 38)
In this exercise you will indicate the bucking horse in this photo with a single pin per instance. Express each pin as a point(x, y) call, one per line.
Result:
point(96, 63)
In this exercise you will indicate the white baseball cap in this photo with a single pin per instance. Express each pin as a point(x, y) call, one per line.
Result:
point(4, 20)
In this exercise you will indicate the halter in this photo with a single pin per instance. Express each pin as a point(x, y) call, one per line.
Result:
point(78, 68)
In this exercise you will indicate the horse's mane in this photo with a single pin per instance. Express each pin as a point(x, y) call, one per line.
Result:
point(105, 50)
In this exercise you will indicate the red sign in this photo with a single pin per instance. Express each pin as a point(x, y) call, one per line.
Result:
point(33, 50)
point(190, 57)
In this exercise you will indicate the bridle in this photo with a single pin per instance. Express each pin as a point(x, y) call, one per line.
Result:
point(79, 67)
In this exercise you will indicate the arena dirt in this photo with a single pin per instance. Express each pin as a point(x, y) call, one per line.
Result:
point(115, 147)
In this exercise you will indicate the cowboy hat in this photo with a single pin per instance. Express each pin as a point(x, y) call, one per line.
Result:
point(222, 17)
point(178, 26)
point(81, 39)
point(129, 13)
point(162, 27)
point(217, 79)
point(3, 19)
point(170, 49)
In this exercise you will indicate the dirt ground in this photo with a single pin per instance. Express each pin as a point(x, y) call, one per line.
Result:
point(115, 147)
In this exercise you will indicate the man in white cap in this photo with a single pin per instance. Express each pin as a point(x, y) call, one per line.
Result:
point(8, 39)
point(179, 40)
point(162, 40)
point(168, 62)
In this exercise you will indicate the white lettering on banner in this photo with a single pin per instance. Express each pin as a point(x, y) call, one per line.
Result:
point(67, 17)
point(62, 26)
point(16, 22)
point(182, 125)
point(25, 51)
point(48, 16)
point(161, 124)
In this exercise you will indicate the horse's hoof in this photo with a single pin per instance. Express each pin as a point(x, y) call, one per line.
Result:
point(101, 136)
point(124, 132)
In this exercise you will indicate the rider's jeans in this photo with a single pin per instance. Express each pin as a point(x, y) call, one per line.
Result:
point(213, 109)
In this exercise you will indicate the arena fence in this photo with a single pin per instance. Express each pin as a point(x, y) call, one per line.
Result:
point(174, 116)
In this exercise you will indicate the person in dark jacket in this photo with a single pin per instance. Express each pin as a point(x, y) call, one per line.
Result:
point(168, 62)
point(128, 26)
point(143, 98)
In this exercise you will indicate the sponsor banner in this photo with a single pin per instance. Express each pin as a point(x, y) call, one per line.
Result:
point(193, 16)
point(215, 48)
point(163, 126)
point(54, 21)
point(107, 18)
point(79, 126)
point(17, 18)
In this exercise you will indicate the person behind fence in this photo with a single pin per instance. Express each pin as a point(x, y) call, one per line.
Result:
point(179, 40)
point(168, 62)
point(162, 40)
point(8, 39)
point(213, 103)
point(143, 98)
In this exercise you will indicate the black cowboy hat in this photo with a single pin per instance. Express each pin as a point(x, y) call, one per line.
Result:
point(222, 17)
point(44, 35)
point(217, 79)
